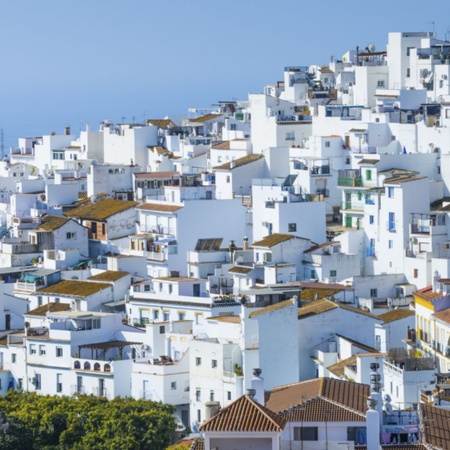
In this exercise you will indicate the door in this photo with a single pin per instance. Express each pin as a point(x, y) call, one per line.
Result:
point(348, 221)
point(79, 385)
point(196, 290)
point(8, 321)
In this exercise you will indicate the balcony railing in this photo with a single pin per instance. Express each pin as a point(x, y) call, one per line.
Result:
point(99, 392)
point(76, 389)
point(350, 182)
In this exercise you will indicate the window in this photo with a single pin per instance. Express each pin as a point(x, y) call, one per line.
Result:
point(155, 314)
point(374, 293)
point(199, 415)
point(103, 228)
point(390, 192)
point(327, 144)
point(39, 301)
point(391, 243)
point(290, 136)
point(160, 287)
point(378, 342)
point(170, 288)
point(229, 395)
point(211, 396)
point(173, 385)
point(198, 361)
point(233, 127)
point(166, 316)
point(56, 299)
point(353, 432)
point(305, 434)
point(347, 160)
point(214, 363)
point(37, 381)
point(95, 324)
point(13, 358)
point(146, 287)
point(162, 329)
point(371, 220)
point(70, 235)
point(197, 394)
point(313, 274)
point(416, 273)
point(333, 273)
point(42, 350)
point(181, 315)
point(408, 72)
point(368, 175)
point(59, 352)
point(292, 227)
point(391, 222)
point(59, 382)
point(228, 178)
point(380, 83)
point(32, 349)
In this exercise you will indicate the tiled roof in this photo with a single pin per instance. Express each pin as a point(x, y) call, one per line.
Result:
point(270, 308)
point(273, 239)
point(428, 294)
point(159, 149)
point(51, 223)
point(396, 314)
point(152, 175)
point(74, 288)
point(225, 145)
point(395, 171)
point(205, 118)
point(350, 395)
point(159, 207)
point(338, 369)
point(229, 319)
point(161, 123)
point(436, 426)
point(443, 316)
point(100, 210)
point(244, 414)
point(240, 269)
point(401, 180)
point(317, 247)
point(50, 307)
point(369, 161)
point(324, 305)
point(109, 275)
point(198, 444)
point(322, 410)
point(240, 162)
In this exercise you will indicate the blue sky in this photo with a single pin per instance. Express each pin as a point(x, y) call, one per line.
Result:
point(71, 62)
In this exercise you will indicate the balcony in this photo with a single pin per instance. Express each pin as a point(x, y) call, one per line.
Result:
point(76, 389)
point(390, 225)
point(320, 170)
point(100, 392)
point(350, 182)
point(355, 206)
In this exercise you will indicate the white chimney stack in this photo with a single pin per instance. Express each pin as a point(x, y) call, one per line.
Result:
point(257, 384)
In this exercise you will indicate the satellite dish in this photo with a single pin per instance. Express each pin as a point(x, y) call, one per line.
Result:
point(371, 47)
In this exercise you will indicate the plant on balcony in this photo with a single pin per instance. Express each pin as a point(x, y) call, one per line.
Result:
point(238, 370)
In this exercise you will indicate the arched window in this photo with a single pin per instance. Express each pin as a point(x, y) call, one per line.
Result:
point(76, 365)
point(96, 366)
point(107, 368)
point(87, 366)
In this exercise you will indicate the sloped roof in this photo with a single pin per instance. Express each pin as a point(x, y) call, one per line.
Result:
point(273, 239)
point(427, 293)
point(205, 118)
point(50, 307)
point(358, 344)
point(244, 414)
point(51, 223)
point(159, 150)
point(338, 369)
point(100, 210)
point(159, 207)
point(108, 275)
point(322, 306)
point(161, 123)
point(396, 314)
point(240, 269)
point(401, 180)
point(436, 426)
point(239, 162)
point(74, 288)
point(349, 395)
point(443, 316)
point(270, 308)
point(224, 145)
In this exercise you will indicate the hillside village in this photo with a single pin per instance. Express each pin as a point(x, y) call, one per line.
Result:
point(263, 265)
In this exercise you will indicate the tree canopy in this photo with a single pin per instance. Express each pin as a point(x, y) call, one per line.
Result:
point(31, 421)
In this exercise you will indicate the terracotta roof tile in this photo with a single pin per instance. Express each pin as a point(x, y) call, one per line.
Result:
point(158, 207)
point(436, 426)
point(338, 369)
point(205, 118)
point(401, 180)
point(270, 308)
point(244, 414)
point(51, 223)
point(198, 444)
point(321, 306)
point(74, 288)
point(443, 316)
point(50, 307)
point(240, 269)
point(161, 123)
point(428, 294)
point(395, 314)
point(100, 210)
point(240, 162)
point(229, 319)
point(273, 239)
point(109, 275)
point(225, 145)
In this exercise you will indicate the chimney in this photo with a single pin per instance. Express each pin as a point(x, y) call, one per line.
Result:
point(257, 384)
point(67, 131)
point(251, 393)
point(372, 425)
point(245, 243)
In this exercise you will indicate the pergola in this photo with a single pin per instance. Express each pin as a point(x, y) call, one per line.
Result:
point(105, 346)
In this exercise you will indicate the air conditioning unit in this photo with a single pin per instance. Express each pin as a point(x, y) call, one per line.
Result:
point(265, 224)
point(145, 347)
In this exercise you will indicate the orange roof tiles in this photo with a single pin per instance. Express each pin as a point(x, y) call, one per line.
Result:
point(436, 426)
point(244, 414)
point(158, 207)
point(273, 239)
point(396, 314)
point(240, 162)
point(100, 210)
